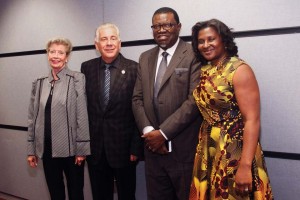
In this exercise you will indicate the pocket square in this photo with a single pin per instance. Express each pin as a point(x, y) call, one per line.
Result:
point(179, 71)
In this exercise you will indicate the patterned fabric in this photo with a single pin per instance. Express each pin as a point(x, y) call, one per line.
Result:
point(69, 118)
point(106, 85)
point(221, 140)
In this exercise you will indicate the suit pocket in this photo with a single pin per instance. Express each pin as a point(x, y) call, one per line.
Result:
point(180, 71)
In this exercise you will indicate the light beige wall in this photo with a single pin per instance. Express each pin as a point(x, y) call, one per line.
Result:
point(26, 25)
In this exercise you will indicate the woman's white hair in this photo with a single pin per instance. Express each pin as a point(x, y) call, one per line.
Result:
point(60, 40)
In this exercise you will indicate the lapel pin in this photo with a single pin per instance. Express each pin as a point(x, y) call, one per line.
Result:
point(123, 71)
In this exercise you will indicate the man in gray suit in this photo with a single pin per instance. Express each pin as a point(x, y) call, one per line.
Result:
point(166, 113)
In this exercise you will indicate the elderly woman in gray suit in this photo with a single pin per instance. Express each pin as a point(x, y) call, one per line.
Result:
point(58, 130)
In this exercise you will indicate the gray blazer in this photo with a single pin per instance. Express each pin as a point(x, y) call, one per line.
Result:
point(69, 119)
point(177, 116)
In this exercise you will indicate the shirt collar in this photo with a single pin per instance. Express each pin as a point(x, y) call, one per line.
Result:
point(60, 74)
point(114, 63)
point(171, 50)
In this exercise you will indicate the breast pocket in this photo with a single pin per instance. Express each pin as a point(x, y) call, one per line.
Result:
point(182, 76)
point(181, 71)
point(179, 86)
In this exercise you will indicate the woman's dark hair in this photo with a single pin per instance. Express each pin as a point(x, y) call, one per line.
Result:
point(222, 29)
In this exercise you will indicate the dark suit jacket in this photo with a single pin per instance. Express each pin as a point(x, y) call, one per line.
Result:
point(179, 117)
point(113, 129)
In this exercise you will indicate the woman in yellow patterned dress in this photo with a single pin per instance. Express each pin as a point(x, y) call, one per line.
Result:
point(229, 162)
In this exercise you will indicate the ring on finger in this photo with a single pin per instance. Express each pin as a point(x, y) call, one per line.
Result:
point(246, 189)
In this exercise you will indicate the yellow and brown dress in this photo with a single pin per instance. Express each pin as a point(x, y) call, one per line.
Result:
point(221, 139)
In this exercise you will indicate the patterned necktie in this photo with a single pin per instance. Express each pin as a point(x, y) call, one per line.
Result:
point(160, 73)
point(106, 85)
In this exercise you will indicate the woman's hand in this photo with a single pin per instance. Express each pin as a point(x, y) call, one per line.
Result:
point(243, 180)
point(32, 161)
point(79, 160)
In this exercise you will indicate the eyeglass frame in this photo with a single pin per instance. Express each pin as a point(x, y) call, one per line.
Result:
point(166, 27)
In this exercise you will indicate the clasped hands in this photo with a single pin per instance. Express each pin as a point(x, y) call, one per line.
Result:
point(155, 142)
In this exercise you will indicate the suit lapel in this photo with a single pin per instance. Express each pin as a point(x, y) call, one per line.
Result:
point(176, 59)
point(152, 63)
point(97, 84)
point(119, 79)
point(150, 72)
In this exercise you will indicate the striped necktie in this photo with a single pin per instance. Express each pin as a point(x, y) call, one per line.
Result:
point(160, 73)
point(106, 85)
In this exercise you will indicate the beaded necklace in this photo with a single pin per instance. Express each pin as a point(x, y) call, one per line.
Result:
point(220, 63)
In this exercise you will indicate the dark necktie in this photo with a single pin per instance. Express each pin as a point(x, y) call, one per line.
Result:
point(160, 73)
point(106, 85)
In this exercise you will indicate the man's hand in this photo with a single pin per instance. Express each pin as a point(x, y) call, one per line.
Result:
point(133, 158)
point(154, 140)
point(162, 150)
point(32, 161)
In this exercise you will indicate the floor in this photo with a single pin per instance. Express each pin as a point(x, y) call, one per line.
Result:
point(4, 196)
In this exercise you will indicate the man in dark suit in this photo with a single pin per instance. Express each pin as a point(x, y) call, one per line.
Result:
point(167, 113)
point(115, 141)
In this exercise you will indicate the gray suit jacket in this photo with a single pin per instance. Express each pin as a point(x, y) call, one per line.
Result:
point(69, 119)
point(178, 115)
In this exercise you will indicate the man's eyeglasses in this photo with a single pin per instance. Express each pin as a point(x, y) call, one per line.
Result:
point(167, 27)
